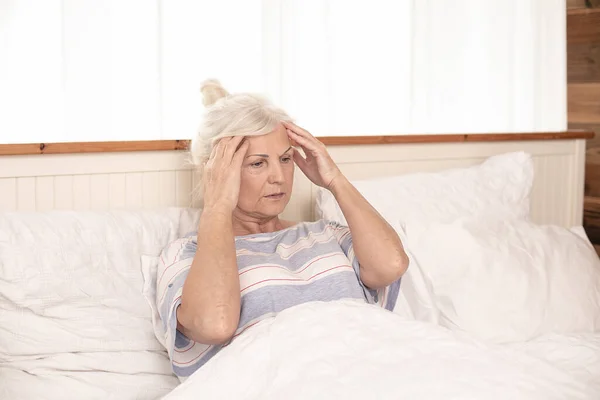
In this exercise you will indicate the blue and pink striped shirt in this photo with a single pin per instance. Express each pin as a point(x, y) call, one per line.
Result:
point(311, 261)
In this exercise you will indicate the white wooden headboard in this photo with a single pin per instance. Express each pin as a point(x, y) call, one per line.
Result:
point(151, 179)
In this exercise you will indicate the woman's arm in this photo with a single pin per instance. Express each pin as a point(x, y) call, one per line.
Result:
point(376, 245)
point(210, 303)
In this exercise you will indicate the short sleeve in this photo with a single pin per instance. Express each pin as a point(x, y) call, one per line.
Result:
point(174, 265)
point(385, 297)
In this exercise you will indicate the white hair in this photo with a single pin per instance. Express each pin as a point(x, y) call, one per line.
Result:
point(241, 114)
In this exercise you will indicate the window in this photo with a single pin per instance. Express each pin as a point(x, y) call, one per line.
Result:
point(89, 70)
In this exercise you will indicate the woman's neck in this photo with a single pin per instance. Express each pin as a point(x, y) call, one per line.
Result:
point(246, 225)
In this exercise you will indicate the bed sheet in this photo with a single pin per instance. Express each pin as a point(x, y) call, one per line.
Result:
point(576, 354)
point(350, 350)
point(334, 350)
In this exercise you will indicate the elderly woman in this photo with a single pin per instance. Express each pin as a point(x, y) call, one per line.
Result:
point(246, 264)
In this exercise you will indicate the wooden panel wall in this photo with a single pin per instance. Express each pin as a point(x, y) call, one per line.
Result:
point(583, 71)
point(156, 179)
point(146, 190)
point(582, 3)
point(96, 181)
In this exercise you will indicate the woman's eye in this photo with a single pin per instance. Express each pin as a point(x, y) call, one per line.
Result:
point(256, 164)
point(286, 159)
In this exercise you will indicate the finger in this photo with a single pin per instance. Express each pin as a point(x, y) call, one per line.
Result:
point(208, 164)
point(231, 147)
point(240, 153)
point(299, 160)
point(219, 147)
point(305, 134)
point(306, 144)
point(224, 144)
point(213, 152)
point(300, 131)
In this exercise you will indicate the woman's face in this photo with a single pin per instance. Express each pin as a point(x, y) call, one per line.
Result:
point(267, 174)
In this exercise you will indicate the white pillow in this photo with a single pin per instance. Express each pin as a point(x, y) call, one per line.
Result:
point(73, 318)
point(149, 268)
point(71, 281)
point(414, 297)
point(188, 223)
point(508, 280)
point(500, 186)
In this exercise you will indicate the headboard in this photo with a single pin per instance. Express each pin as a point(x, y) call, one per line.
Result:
point(148, 175)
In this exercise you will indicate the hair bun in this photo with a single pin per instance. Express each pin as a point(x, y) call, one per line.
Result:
point(212, 90)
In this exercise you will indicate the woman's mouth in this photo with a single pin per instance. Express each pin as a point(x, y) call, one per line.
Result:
point(275, 196)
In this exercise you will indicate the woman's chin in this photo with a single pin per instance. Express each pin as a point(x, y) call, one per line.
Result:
point(274, 208)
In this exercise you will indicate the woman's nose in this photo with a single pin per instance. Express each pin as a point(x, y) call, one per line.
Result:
point(276, 173)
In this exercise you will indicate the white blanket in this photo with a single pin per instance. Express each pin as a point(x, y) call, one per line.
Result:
point(576, 354)
point(127, 375)
point(350, 350)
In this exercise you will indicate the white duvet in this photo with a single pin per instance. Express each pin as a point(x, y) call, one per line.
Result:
point(350, 350)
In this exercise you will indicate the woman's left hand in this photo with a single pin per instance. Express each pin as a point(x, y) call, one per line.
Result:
point(318, 165)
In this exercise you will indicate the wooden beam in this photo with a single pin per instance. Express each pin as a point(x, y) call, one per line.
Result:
point(162, 145)
point(592, 231)
point(575, 3)
point(92, 147)
point(584, 103)
point(583, 71)
point(595, 142)
point(583, 25)
point(592, 173)
point(583, 45)
point(592, 3)
point(591, 218)
point(583, 62)
point(583, 3)
point(453, 138)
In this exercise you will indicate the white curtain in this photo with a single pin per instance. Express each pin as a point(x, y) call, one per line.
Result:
point(99, 70)
point(489, 66)
point(344, 66)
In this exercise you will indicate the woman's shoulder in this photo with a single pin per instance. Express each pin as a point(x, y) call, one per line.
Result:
point(180, 248)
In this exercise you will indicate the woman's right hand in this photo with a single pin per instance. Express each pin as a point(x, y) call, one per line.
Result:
point(222, 174)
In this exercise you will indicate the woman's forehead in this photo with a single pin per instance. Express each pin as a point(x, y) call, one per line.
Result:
point(273, 142)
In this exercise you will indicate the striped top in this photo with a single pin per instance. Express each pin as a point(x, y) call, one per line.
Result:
point(307, 262)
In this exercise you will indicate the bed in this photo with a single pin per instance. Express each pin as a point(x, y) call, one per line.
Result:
point(82, 226)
